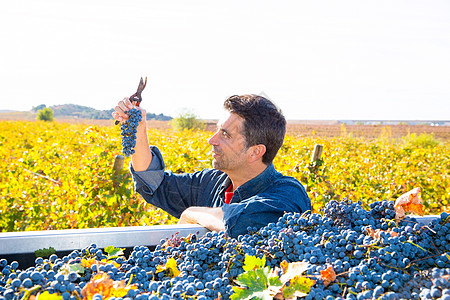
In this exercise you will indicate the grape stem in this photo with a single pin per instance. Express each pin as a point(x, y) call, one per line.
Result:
point(30, 291)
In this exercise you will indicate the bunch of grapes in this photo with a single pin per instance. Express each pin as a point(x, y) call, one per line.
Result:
point(405, 260)
point(129, 130)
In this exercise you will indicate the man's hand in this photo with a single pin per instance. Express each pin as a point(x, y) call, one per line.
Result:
point(209, 217)
point(123, 106)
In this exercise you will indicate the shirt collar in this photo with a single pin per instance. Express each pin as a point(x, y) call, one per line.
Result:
point(253, 186)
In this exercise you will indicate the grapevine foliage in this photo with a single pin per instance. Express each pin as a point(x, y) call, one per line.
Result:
point(59, 175)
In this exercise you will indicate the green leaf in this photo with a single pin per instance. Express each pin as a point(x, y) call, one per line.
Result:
point(113, 251)
point(67, 268)
point(252, 262)
point(244, 294)
point(77, 268)
point(299, 286)
point(253, 283)
point(275, 281)
point(44, 252)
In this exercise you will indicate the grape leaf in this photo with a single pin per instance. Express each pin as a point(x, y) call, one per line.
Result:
point(47, 296)
point(408, 202)
point(291, 270)
point(76, 267)
point(292, 284)
point(102, 284)
point(274, 281)
point(376, 234)
point(263, 283)
point(328, 275)
point(252, 262)
point(253, 284)
point(45, 252)
point(170, 267)
point(87, 263)
point(113, 251)
point(299, 286)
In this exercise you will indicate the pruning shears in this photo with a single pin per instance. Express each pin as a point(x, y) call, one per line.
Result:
point(137, 97)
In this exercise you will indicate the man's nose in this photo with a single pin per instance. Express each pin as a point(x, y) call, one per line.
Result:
point(213, 140)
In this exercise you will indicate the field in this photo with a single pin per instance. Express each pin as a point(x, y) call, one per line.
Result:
point(325, 129)
point(59, 175)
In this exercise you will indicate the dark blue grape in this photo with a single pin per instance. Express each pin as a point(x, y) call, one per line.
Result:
point(128, 131)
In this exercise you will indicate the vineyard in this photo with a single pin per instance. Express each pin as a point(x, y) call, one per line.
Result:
point(353, 245)
point(59, 175)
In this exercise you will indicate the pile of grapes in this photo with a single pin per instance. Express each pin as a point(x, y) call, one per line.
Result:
point(373, 257)
point(129, 130)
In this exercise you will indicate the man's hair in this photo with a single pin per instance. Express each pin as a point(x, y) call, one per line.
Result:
point(264, 123)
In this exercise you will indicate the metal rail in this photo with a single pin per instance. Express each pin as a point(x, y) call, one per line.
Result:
point(72, 239)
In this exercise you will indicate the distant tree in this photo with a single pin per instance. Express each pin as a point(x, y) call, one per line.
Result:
point(187, 120)
point(39, 107)
point(45, 114)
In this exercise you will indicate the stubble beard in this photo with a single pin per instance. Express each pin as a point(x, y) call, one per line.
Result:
point(226, 163)
point(219, 165)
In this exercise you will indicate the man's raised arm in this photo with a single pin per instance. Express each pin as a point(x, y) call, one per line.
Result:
point(142, 156)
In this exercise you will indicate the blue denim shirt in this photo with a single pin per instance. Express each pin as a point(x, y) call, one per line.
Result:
point(256, 203)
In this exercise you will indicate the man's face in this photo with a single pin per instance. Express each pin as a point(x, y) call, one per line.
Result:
point(229, 151)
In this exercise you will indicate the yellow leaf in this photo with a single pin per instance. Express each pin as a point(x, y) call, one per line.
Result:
point(47, 296)
point(170, 267)
point(252, 262)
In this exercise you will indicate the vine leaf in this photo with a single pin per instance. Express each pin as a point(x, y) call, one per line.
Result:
point(170, 268)
point(254, 284)
point(252, 262)
point(102, 284)
point(45, 252)
point(328, 275)
point(408, 202)
point(259, 282)
point(293, 284)
point(290, 270)
point(376, 233)
point(113, 251)
point(87, 263)
point(76, 267)
point(47, 296)
point(299, 286)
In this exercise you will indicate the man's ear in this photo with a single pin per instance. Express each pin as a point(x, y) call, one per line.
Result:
point(257, 152)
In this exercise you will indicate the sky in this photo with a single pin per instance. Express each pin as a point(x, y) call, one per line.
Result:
point(316, 60)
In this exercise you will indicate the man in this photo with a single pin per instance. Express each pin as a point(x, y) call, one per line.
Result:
point(243, 190)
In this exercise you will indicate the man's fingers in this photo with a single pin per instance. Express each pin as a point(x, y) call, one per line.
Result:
point(118, 117)
point(127, 103)
point(123, 106)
